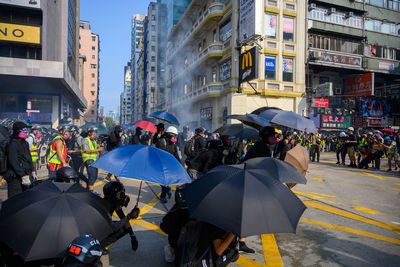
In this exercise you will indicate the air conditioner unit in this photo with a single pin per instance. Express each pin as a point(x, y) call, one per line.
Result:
point(349, 15)
point(312, 6)
point(332, 10)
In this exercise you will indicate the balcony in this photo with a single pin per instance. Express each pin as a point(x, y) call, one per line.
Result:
point(324, 26)
point(199, 93)
point(213, 50)
point(215, 10)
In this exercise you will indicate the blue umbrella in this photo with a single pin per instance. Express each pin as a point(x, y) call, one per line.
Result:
point(165, 116)
point(145, 163)
point(289, 119)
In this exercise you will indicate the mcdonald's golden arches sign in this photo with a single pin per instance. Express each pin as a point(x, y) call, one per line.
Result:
point(248, 65)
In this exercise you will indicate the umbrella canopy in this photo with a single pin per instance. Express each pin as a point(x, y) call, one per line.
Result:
point(388, 131)
point(244, 203)
point(238, 130)
point(145, 163)
point(147, 126)
point(289, 119)
point(299, 158)
point(41, 222)
point(101, 129)
point(4, 132)
point(165, 116)
point(251, 120)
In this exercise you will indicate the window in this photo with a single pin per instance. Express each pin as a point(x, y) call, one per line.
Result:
point(94, 38)
point(270, 68)
point(92, 92)
point(288, 29)
point(335, 44)
point(379, 26)
point(153, 27)
point(392, 4)
point(287, 69)
point(93, 48)
point(225, 31)
point(153, 69)
point(92, 102)
point(214, 35)
point(92, 112)
point(342, 18)
point(153, 48)
point(93, 75)
point(93, 57)
point(93, 66)
point(270, 26)
point(153, 59)
point(214, 74)
point(92, 84)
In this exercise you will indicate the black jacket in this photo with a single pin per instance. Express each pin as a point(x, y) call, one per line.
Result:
point(206, 160)
point(114, 141)
point(19, 157)
point(260, 149)
point(281, 150)
point(164, 143)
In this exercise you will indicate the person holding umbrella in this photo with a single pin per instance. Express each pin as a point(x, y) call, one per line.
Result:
point(262, 148)
point(90, 153)
point(57, 157)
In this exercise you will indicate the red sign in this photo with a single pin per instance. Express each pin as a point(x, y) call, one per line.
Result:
point(360, 85)
point(375, 122)
point(321, 102)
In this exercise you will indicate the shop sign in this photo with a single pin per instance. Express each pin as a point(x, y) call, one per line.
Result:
point(248, 65)
point(24, 3)
point(360, 85)
point(19, 33)
point(321, 102)
point(335, 122)
point(359, 121)
point(225, 71)
point(336, 59)
point(206, 113)
point(270, 63)
point(324, 89)
point(250, 22)
point(375, 122)
point(386, 66)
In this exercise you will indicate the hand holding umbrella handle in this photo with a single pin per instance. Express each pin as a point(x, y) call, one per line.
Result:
point(134, 213)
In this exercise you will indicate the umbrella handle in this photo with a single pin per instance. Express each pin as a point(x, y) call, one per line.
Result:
point(165, 207)
point(140, 189)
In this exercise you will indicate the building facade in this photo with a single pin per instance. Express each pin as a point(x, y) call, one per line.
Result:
point(126, 97)
point(203, 61)
point(175, 9)
point(354, 51)
point(39, 61)
point(89, 48)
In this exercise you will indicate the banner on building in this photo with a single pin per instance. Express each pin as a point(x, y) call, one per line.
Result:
point(250, 21)
point(335, 59)
point(270, 64)
point(24, 3)
point(374, 107)
point(324, 89)
point(335, 121)
point(248, 65)
point(320, 102)
point(360, 85)
point(19, 33)
point(206, 113)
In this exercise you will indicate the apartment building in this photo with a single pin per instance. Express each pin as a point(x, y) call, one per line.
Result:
point(203, 61)
point(126, 97)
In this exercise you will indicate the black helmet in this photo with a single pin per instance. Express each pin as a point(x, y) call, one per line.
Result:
point(66, 175)
point(267, 131)
point(118, 128)
point(83, 251)
point(114, 192)
point(199, 130)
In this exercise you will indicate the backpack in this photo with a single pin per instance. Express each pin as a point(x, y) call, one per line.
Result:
point(3, 156)
point(189, 147)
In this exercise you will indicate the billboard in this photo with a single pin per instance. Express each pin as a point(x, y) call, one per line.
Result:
point(335, 121)
point(373, 107)
point(359, 85)
point(321, 102)
point(250, 21)
point(324, 89)
point(19, 33)
point(24, 3)
point(248, 65)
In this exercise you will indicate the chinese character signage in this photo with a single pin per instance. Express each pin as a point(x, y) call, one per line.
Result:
point(375, 122)
point(335, 122)
point(206, 113)
point(359, 85)
point(324, 89)
point(321, 102)
point(336, 59)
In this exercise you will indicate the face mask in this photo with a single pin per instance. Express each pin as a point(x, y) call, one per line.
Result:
point(173, 140)
point(271, 139)
point(22, 135)
point(92, 137)
point(292, 142)
point(38, 136)
point(65, 137)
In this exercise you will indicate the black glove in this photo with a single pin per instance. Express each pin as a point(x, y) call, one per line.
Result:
point(134, 243)
point(134, 213)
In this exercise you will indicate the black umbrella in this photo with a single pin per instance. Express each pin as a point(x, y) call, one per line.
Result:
point(289, 119)
point(251, 120)
point(244, 203)
point(238, 130)
point(41, 222)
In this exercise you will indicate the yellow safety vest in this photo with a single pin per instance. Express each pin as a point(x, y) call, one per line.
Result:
point(53, 157)
point(34, 154)
point(92, 146)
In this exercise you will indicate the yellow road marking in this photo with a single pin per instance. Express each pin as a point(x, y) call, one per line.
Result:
point(327, 161)
point(366, 210)
point(317, 179)
point(149, 226)
point(387, 188)
point(351, 230)
point(270, 250)
point(245, 262)
point(389, 226)
point(146, 208)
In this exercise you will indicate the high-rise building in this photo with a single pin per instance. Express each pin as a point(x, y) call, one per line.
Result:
point(39, 61)
point(353, 50)
point(126, 97)
point(203, 60)
point(89, 44)
point(175, 9)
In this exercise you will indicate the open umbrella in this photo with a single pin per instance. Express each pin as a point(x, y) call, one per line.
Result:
point(41, 222)
point(145, 163)
point(244, 203)
point(289, 119)
point(238, 130)
point(165, 116)
point(299, 158)
point(251, 120)
point(147, 126)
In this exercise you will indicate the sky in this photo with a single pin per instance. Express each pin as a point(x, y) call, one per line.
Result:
point(111, 20)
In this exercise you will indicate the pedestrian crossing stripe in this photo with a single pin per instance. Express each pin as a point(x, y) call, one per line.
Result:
point(271, 253)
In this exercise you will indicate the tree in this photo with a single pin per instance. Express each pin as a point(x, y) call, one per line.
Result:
point(109, 122)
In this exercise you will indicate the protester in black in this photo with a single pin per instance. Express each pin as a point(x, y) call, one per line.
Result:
point(283, 146)
point(208, 159)
point(20, 164)
point(136, 136)
point(262, 148)
point(74, 149)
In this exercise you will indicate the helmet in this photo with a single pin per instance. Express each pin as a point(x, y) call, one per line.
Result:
point(92, 129)
point(118, 128)
point(294, 133)
point(66, 175)
point(172, 129)
point(85, 250)
point(35, 127)
point(180, 194)
point(267, 131)
point(114, 192)
point(351, 129)
point(63, 128)
point(387, 139)
point(74, 129)
point(342, 134)
point(199, 130)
